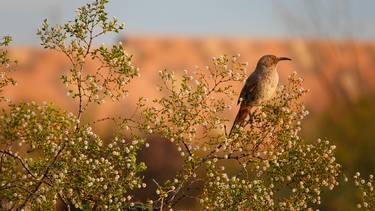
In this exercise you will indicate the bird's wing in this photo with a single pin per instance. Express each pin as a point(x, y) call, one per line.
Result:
point(248, 89)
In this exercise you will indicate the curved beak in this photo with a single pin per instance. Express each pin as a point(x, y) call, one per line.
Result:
point(283, 58)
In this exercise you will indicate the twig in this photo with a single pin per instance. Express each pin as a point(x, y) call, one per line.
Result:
point(42, 178)
point(24, 165)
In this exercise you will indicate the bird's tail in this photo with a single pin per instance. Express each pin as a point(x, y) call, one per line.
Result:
point(240, 118)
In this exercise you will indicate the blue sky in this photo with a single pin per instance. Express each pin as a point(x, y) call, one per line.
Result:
point(244, 18)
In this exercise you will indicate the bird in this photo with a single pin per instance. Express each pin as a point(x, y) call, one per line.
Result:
point(259, 87)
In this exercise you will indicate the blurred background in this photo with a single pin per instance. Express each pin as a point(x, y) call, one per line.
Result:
point(332, 44)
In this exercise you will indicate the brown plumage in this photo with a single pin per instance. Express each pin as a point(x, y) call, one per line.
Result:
point(260, 86)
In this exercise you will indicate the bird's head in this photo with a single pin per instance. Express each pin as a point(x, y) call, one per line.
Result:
point(270, 61)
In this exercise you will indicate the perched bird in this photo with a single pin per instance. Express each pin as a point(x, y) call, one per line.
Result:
point(260, 86)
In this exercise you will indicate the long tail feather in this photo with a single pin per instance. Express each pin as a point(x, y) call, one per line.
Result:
point(240, 118)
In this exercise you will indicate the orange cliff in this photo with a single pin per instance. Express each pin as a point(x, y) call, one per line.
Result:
point(330, 69)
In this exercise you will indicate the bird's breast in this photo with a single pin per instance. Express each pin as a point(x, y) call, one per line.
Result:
point(268, 85)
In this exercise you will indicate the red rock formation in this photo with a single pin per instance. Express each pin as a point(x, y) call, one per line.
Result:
point(331, 69)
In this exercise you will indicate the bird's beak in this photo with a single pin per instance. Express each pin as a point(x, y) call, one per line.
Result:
point(283, 58)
